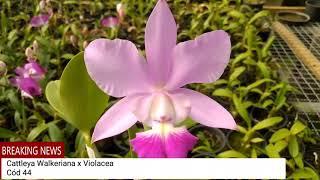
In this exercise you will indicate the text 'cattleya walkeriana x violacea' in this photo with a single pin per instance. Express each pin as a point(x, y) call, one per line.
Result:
point(152, 89)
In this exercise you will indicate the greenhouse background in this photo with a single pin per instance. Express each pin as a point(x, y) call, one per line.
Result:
point(271, 85)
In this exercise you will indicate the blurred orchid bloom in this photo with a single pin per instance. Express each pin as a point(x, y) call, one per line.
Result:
point(42, 5)
point(40, 20)
point(112, 21)
point(3, 68)
point(31, 69)
point(27, 79)
point(152, 89)
point(109, 22)
point(121, 11)
point(29, 52)
point(29, 87)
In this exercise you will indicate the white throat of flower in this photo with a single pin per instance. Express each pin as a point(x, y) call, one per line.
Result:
point(162, 109)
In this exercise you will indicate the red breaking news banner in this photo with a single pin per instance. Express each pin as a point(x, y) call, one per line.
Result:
point(31, 150)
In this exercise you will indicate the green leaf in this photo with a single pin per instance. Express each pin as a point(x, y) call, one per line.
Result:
point(293, 146)
point(297, 127)
point(306, 173)
point(67, 56)
point(258, 83)
point(267, 103)
point(281, 97)
point(257, 140)
point(258, 15)
point(240, 57)
point(264, 69)
point(279, 135)
point(236, 73)
point(299, 161)
point(35, 132)
point(241, 129)
point(231, 154)
point(188, 123)
point(53, 96)
point(15, 101)
point(241, 110)
point(56, 135)
point(267, 123)
point(271, 151)
point(4, 23)
point(222, 92)
point(280, 145)
point(267, 46)
point(254, 153)
point(82, 100)
point(6, 133)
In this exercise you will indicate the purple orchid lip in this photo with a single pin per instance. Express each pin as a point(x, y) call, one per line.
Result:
point(169, 67)
point(40, 20)
point(156, 143)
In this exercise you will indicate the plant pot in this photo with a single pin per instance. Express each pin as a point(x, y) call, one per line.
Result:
point(255, 4)
point(313, 9)
point(293, 3)
point(215, 136)
point(234, 140)
point(259, 114)
point(275, 2)
point(293, 17)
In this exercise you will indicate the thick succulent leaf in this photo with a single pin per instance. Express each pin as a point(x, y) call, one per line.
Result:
point(53, 97)
point(82, 101)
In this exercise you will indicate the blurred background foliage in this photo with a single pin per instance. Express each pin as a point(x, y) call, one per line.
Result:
point(250, 88)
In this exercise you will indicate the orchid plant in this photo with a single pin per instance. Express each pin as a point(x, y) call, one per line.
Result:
point(249, 85)
point(159, 101)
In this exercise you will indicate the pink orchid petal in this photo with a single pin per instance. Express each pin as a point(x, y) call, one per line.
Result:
point(37, 21)
point(29, 87)
point(118, 118)
point(160, 39)
point(142, 110)
point(208, 112)
point(34, 70)
point(163, 141)
point(179, 142)
point(31, 69)
point(202, 60)
point(181, 105)
point(116, 67)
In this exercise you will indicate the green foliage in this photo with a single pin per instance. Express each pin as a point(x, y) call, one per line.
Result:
point(82, 101)
point(250, 81)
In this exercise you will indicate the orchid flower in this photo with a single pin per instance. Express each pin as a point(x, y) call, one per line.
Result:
point(112, 21)
point(31, 69)
point(27, 79)
point(3, 68)
point(121, 11)
point(40, 20)
point(109, 22)
point(153, 90)
point(29, 87)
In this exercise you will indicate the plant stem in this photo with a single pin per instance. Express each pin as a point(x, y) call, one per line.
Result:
point(87, 139)
point(24, 120)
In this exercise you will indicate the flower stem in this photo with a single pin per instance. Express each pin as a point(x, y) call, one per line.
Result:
point(24, 120)
point(87, 139)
